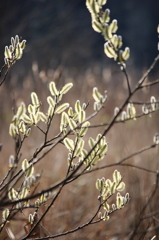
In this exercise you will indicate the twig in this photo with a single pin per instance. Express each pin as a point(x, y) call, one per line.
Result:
point(40, 129)
point(150, 215)
point(68, 232)
point(125, 120)
point(68, 178)
point(145, 206)
point(6, 176)
point(127, 78)
point(2, 69)
point(147, 73)
point(46, 211)
point(149, 84)
point(119, 163)
point(5, 75)
point(73, 230)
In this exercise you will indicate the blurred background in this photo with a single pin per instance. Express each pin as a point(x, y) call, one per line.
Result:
point(60, 32)
point(62, 46)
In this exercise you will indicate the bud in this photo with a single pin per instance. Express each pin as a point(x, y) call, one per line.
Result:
point(113, 26)
point(109, 51)
point(50, 101)
point(106, 206)
point(31, 219)
point(11, 161)
point(28, 131)
point(156, 139)
point(126, 54)
point(99, 184)
point(117, 176)
point(34, 99)
point(123, 116)
point(153, 103)
point(5, 214)
point(53, 89)
point(145, 109)
point(97, 95)
point(66, 88)
point(97, 26)
point(62, 108)
point(116, 110)
point(69, 143)
point(121, 187)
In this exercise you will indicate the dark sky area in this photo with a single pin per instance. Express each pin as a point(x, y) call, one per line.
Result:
point(60, 32)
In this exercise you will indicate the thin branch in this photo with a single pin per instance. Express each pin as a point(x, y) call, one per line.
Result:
point(52, 139)
point(125, 120)
point(43, 155)
point(119, 163)
point(40, 129)
point(142, 103)
point(151, 215)
point(43, 215)
point(5, 75)
point(91, 221)
point(51, 118)
point(145, 206)
point(111, 123)
point(6, 220)
point(19, 148)
point(147, 72)
point(2, 69)
point(149, 84)
point(6, 176)
point(68, 232)
point(127, 79)
point(71, 177)
point(148, 230)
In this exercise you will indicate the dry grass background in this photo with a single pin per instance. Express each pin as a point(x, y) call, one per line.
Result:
point(78, 200)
